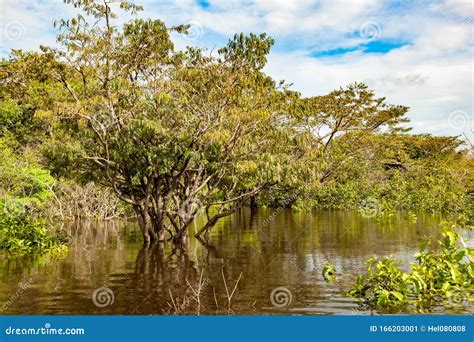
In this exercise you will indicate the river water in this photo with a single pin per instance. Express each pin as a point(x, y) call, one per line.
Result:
point(278, 255)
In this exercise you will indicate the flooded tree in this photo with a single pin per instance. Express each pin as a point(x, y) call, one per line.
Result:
point(168, 131)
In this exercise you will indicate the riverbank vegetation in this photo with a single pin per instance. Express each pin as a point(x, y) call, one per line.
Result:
point(117, 123)
point(444, 275)
point(26, 188)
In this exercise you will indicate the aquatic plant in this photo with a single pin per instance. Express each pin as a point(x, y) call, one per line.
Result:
point(329, 272)
point(445, 276)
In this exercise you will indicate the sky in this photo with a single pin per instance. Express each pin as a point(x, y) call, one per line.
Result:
point(414, 53)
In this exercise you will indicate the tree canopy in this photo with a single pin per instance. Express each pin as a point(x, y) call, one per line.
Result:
point(171, 131)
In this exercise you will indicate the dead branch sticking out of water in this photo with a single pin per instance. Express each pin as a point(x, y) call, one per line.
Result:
point(197, 292)
point(179, 306)
point(182, 306)
point(185, 306)
point(230, 295)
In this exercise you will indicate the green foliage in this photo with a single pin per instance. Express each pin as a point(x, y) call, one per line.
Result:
point(444, 276)
point(22, 178)
point(398, 171)
point(24, 189)
point(21, 233)
point(384, 285)
point(329, 272)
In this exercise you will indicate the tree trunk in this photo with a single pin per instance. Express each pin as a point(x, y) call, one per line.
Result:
point(253, 202)
point(152, 223)
point(158, 226)
point(146, 225)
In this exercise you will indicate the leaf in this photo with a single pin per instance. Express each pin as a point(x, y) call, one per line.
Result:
point(452, 270)
point(398, 295)
point(383, 299)
point(423, 245)
point(470, 269)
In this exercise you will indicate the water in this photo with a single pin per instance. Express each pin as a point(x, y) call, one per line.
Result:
point(275, 251)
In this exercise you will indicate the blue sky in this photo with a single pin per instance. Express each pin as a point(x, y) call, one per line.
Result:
point(415, 53)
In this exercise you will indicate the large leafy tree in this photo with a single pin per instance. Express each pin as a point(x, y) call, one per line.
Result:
point(167, 131)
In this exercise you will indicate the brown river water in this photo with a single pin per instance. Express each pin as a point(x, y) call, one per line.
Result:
point(278, 255)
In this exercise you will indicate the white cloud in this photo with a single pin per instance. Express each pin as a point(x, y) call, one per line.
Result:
point(433, 74)
point(27, 24)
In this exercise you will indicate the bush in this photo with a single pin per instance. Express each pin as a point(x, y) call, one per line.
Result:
point(21, 233)
point(24, 189)
point(440, 277)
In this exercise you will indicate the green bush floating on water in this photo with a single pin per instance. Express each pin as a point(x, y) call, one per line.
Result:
point(445, 277)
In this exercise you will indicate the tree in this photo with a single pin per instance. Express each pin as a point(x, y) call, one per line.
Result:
point(333, 132)
point(167, 131)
